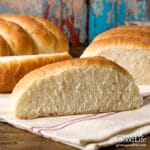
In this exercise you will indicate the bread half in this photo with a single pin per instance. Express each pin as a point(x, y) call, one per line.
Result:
point(13, 68)
point(79, 86)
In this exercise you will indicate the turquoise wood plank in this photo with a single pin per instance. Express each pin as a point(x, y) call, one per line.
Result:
point(121, 8)
point(105, 14)
point(102, 16)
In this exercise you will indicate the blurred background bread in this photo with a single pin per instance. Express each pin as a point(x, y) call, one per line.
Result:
point(129, 46)
point(26, 34)
point(82, 20)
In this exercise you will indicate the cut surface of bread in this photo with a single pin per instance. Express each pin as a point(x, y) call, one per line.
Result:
point(13, 68)
point(79, 86)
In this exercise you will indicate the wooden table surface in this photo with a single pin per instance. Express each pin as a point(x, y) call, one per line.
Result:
point(12, 138)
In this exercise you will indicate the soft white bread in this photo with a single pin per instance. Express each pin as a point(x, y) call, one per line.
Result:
point(26, 34)
point(13, 68)
point(77, 86)
point(127, 46)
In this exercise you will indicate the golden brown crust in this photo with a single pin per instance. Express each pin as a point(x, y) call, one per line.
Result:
point(133, 28)
point(42, 35)
point(4, 48)
point(12, 71)
point(17, 39)
point(125, 31)
point(38, 73)
point(62, 41)
point(119, 42)
point(42, 39)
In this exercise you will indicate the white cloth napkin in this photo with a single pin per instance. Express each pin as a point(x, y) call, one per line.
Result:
point(89, 131)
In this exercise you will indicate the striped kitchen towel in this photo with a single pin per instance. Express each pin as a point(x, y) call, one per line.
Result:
point(89, 131)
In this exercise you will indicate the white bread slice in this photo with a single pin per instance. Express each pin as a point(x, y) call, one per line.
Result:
point(78, 86)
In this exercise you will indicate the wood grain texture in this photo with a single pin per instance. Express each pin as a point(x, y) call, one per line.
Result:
point(17, 139)
point(102, 16)
point(13, 138)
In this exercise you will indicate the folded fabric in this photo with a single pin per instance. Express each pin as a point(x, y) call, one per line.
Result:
point(89, 131)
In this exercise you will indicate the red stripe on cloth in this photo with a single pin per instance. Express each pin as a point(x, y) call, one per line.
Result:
point(70, 122)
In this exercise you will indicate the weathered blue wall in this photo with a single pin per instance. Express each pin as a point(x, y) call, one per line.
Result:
point(105, 14)
point(102, 16)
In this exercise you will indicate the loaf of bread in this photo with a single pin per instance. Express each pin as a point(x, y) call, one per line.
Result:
point(13, 68)
point(124, 31)
point(128, 46)
point(77, 86)
point(26, 34)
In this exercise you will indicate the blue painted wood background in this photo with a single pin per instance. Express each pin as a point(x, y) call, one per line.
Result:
point(82, 20)
point(105, 14)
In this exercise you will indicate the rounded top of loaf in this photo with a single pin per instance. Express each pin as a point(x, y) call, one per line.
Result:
point(121, 37)
point(115, 43)
point(131, 28)
point(122, 33)
point(125, 31)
